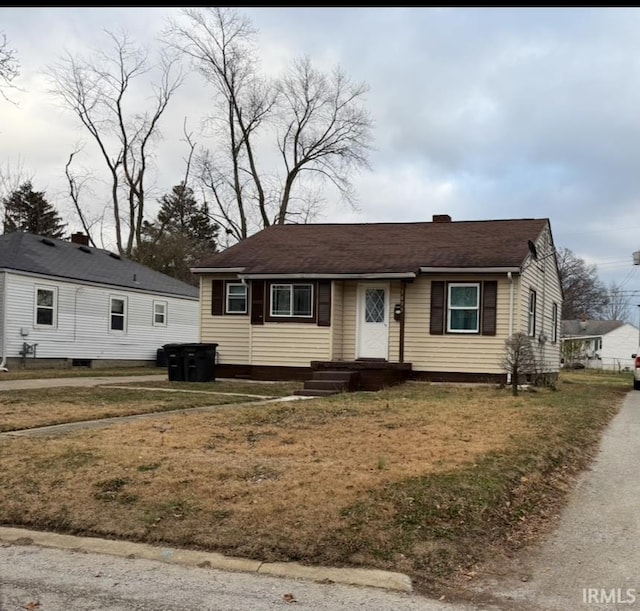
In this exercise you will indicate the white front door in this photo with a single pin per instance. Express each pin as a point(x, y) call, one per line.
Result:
point(373, 321)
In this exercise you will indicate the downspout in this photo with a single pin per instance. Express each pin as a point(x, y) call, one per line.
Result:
point(403, 287)
point(3, 364)
point(511, 288)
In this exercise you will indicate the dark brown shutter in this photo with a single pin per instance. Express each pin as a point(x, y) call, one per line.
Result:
point(257, 302)
point(217, 297)
point(324, 303)
point(436, 326)
point(489, 297)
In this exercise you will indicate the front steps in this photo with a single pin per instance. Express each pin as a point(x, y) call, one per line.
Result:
point(327, 382)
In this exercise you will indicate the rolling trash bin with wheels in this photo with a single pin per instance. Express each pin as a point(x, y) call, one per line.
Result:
point(200, 362)
point(175, 362)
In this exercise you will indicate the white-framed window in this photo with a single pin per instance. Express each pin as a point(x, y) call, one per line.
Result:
point(159, 313)
point(292, 300)
point(532, 313)
point(236, 298)
point(46, 307)
point(463, 309)
point(118, 314)
point(554, 323)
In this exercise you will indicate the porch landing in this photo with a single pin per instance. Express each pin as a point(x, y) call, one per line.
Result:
point(333, 377)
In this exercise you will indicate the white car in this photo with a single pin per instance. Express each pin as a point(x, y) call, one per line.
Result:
point(636, 371)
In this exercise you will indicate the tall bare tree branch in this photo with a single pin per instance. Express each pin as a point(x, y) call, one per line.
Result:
point(98, 91)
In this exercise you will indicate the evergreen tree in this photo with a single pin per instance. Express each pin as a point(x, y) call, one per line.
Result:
point(181, 234)
point(28, 210)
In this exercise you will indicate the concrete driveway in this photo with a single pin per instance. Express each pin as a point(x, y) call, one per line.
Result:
point(86, 381)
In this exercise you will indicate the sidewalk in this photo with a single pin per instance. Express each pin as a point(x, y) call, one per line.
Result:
point(88, 381)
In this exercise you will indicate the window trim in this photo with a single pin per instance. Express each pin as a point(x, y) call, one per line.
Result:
point(165, 310)
point(229, 312)
point(477, 308)
point(54, 307)
point(532, 313)
point(311, 318)
point(125, 308)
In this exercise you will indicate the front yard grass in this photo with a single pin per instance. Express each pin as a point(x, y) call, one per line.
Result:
point(421, 478)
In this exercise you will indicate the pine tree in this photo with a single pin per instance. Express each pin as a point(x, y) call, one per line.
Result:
point(181, 234)
point(28, 210)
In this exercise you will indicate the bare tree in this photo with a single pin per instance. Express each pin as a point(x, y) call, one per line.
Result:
point(9, 67)
point(617, 306)
point(98, 91)
point(315, 124)
point(519, 359)
point(584, 293)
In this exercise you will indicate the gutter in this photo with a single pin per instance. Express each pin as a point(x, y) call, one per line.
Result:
point(373, 276)
point(3, 364)
point(470, 270)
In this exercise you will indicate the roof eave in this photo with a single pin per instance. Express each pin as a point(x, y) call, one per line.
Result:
point(470, 270)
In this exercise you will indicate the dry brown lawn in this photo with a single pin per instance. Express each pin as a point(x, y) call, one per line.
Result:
point(23, 409)
point(419, 478)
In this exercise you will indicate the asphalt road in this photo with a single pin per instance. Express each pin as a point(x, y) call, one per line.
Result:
point(46, 579)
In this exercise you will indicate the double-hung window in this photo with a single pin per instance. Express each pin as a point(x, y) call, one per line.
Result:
point(159, 313)
point(46, 306)
point(463, 313)
point(554, 323)
point(292, 300)
point(118, 314)
point(236, 298)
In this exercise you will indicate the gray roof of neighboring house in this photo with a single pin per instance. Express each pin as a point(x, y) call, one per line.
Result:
point(64, 260)
point(589, 328)
point(361, 248)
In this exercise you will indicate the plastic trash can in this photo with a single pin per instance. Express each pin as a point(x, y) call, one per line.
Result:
point(175, 362)
point(200, 362)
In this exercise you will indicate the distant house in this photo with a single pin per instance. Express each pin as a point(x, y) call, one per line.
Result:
point(436, 300)
point(599, 344)
point(64, 303)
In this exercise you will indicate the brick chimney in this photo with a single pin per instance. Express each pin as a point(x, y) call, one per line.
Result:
point(80, 238)
point(441, 218)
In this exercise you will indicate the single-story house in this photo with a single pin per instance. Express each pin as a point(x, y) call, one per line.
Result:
point(64, 303)
point(435, 300)
point(599, 344)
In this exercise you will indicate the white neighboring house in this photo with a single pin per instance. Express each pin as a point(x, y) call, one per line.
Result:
point(63, 303)
point(599, 344)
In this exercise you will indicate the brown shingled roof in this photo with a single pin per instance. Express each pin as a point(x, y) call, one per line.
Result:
point(375, 248)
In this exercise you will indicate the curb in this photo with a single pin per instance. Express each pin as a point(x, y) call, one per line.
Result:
point(359, 577)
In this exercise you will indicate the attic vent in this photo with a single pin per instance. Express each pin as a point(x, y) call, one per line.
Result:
point(115, 255)
point(84, 249)
point(48, 242)
point(441, 218)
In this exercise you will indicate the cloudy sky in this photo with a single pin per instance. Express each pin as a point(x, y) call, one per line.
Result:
point(479, 113)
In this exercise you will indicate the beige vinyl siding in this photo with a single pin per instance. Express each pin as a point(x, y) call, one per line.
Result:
point(349, 317)
point(232, 333)
point(394, 326)
point(453, 352)
point(290, 344)
point(337, 319)
point(542, 276)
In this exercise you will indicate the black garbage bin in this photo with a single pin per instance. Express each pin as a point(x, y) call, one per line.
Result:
point(161, 358)
point(174, 354)
point(200, 362)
